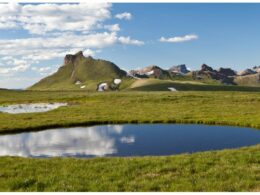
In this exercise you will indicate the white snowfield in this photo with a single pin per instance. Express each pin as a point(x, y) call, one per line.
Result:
point(30, 108)
point(78, 83)
point(117, 81)
point(172, 89)
point(150, 72)
point(102, 86)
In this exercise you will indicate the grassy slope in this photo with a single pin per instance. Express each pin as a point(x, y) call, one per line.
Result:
point(252, 80)
point(162, 85)
point(226, 170)
point(87, 70)
point(230, 108)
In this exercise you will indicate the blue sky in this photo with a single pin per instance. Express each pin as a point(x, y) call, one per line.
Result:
point(220, 35)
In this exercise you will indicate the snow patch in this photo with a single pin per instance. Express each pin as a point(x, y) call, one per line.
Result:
point(102, 86)
point(117, 81)
point(150, 72)
point(30, 108)
point(172, 89)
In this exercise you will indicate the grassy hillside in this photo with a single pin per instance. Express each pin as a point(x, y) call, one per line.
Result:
point(226, 170)
point(163, 85)
point(248, 80)
point(228, 108)
point(90, 72)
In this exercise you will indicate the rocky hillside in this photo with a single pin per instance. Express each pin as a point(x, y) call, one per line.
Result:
point(179, 69)
point(152, 71)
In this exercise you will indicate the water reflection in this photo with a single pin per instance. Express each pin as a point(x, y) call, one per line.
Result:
point(126, 140)
point(80, 141)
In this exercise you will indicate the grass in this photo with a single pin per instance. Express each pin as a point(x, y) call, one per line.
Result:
point(227, 108)
point(227, 170)
point(162, 85)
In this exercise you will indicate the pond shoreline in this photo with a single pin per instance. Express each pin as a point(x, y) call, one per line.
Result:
point(120, 122)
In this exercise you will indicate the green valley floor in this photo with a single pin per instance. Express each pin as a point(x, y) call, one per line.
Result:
point(226, 170)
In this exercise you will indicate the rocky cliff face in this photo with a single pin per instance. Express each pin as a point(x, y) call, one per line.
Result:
point(179, 69)
point(69, 58)
point(223, 75)
point(227, 72)
point(152, 71)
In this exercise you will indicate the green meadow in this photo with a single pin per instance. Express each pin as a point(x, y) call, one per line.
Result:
point(225, 170)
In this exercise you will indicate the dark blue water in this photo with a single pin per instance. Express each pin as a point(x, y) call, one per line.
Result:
point(127, 140)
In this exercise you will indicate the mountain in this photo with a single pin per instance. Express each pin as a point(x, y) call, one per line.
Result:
point(247, 72)
point(86, 73)
point(152, 71)
point(80, 72)
point(256, 69)
point(248, 80)
point(207, 73)
point(179, 69)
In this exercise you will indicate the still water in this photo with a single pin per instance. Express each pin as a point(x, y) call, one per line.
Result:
point(126, 140)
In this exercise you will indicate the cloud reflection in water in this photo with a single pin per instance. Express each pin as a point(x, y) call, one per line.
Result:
point(80, 141)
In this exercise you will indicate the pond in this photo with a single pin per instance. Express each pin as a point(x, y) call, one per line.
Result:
point(30, 108)
point(126, 140)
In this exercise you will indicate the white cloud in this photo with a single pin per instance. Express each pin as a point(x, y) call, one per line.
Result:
point(54, 30)
point(14, 65)
point(46, 48)
point(88, 52)
point(129, 41)
point(43, 70)
point(42, 18)
point(179, 39)
point(125, 15)
point(113, 28)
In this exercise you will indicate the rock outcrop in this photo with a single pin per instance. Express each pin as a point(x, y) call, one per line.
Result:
point(179, 69)
point(247, 72)
point(152, 71)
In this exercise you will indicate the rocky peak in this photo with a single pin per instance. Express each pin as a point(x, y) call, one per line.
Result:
point(227, 71)
point(247, 72)
point(69, 58)
point(205, 67)
point(256, 68)
point(179, 69)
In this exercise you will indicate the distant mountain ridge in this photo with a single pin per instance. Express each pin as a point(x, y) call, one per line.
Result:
point(79, 72)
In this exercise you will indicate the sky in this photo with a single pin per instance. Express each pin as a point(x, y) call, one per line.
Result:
point(34, 38)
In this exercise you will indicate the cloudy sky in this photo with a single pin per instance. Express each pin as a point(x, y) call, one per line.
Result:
point(34, 38)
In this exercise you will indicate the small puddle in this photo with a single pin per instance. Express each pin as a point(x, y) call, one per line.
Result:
point(126, 140)
point(30, 108)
